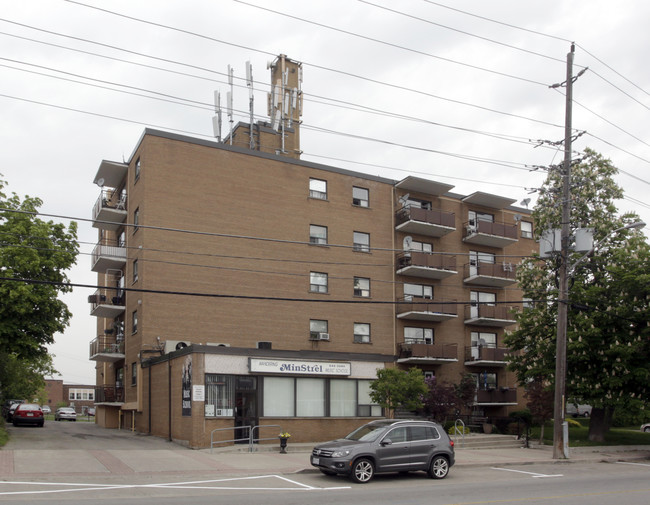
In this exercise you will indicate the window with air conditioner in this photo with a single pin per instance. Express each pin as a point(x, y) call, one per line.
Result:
point(316, 327)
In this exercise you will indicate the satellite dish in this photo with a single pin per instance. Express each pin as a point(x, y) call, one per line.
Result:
point(100, 182)
point(181, 345)
point(525, 202)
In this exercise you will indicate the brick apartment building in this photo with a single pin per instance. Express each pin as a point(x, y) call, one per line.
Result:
point(246, 287)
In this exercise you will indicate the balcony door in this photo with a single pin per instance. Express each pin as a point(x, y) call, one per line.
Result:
point(476, 258)
point(480, 298)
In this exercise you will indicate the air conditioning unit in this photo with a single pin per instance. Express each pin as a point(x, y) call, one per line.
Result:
point(175, 345)
point(265, 345)
point(217, 344)
point(323, 336)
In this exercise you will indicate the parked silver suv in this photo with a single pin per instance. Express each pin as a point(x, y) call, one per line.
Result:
point(387, 446)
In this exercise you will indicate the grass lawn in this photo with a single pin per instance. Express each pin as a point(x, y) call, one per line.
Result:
point(579, 435)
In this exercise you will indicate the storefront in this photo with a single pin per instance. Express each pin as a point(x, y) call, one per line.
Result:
point(202, 391)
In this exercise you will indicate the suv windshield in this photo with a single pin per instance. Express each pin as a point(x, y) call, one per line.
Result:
point(366, 433)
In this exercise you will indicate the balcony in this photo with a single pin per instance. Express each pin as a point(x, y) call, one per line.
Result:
point(109, 211)
point(489, 315)
point(428, 222)
point(485, 356)
point(107, 303)
point(496, 275)
point(108, 254)
point(427, 354)
point(109, 395)
point(107, 348)
point(496, 397)
point(424, 309)
point(426, 265)
point(489, 233)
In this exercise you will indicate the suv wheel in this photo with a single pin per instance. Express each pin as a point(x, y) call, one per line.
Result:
point(362, 471)
point(439, 467)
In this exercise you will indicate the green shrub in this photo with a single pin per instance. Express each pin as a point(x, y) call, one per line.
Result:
point(461, 429)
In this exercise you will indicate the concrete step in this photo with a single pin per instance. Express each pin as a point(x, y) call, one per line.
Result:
point(479, 441)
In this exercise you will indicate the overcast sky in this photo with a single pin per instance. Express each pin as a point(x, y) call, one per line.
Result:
point(448, 90)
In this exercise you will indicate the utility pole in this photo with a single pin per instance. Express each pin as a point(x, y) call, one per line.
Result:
point(560, 429)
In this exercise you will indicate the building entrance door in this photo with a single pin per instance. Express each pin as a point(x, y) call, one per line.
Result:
point(245, 406)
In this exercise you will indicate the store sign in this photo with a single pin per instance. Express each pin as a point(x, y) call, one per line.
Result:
point(293, 367)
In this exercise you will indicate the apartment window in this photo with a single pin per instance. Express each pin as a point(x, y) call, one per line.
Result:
point(361, 241)
point(484, 339)
point(526, 229)
point(318, 189)
point(317, 326)
point(121, 239)
point(136, 219)
point(134, 373)
point(417, 291)
point(317, 234)
point(318, 282)
point(134, 322)
point(418, 335)
point(138, 167)
point(360, 197)
point(486, 380)
point(135, 271)
point(420, 204)
point(361, 333)
point(362, 287)
point(416, 245)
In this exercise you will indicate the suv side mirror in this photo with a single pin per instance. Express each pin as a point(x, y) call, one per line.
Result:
point(386, 441)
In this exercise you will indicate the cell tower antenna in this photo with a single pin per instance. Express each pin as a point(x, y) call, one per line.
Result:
point(251, 101)
point(216, 119)
point(229, 100)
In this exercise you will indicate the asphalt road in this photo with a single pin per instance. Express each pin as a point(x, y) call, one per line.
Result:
point(567, 483)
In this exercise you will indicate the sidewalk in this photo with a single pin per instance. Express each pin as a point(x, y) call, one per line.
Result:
point(170, 459)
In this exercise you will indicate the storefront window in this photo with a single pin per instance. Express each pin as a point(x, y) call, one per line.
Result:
point(279, 396)
point(310, 397)
point(343, 398)
point(219, 395)
point(366, 406)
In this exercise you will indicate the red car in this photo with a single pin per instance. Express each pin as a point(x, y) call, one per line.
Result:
point(28, 413)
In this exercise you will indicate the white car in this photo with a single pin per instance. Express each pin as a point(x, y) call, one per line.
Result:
point(646, 427)
point(67, 413)
point(46, 409)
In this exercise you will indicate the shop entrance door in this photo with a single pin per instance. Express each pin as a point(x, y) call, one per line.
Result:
point(245, 406)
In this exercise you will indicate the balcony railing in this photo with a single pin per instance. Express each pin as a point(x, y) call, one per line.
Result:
point(424, 309)
point(490, 274)
point(489, 315)
point(108, 254)
point(427, 265)
point(107, 348)
point(109, 394)
point(109, 211)
point(489, 233)
point(107, 302)
point(427, 353)
point(429, 222)
point(482, 355)
point(497, 396)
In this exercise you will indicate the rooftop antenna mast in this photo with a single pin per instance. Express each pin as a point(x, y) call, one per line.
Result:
point(251, 99)
point(216, 119)
point(229, 100)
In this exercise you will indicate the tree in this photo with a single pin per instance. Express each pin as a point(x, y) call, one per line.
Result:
point(607, 338)
point(441, 400)
point(23, 378)
point(466, 392)
point(540, 403)
point(34, 257)
point(395, 388)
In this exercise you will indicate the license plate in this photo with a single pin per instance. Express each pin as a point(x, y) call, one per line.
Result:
point(30, 414)
point(315, 461)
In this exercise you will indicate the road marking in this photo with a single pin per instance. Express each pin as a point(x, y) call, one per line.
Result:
point(71, 487)
point(630, 463)
point(534, 474)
